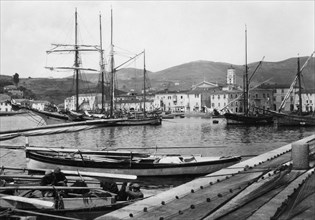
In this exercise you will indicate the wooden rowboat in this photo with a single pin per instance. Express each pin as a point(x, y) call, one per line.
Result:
point(116, 162)
point(91, 204)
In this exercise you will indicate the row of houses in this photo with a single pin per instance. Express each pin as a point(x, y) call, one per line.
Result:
point(202, 97)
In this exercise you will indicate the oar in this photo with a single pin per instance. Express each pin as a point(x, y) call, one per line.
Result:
point(46, 187)
point(101, 175)
point(33, 201)
point(44, 214)
point(83, 173)
point(153, 148)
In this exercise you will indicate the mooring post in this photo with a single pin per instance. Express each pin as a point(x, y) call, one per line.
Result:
point(26, 142)
point(300, 156)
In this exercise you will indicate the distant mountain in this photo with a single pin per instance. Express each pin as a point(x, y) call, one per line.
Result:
point(282, 72)
point(184, 75)
point(191, 73)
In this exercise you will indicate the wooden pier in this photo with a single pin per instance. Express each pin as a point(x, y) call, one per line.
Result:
point(268, 186)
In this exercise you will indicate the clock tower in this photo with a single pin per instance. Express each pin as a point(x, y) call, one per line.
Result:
point(231, 78)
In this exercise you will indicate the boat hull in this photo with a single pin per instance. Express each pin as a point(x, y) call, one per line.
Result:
point(293, 120)
point(143, 121)
point(52, 118)
point(84, 207)
point(55, 118)
point(203, 166)
point(239, 119)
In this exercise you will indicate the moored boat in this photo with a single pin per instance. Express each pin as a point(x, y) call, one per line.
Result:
point(247, 117)
point(63, 201)
point(241, 119)
point(281, 119)
point(130, 163)
point(298, 118)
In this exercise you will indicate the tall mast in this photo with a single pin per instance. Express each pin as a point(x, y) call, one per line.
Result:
point(112, 92)
point(102, 63)
point(76, 61)
point(300, 87)
point(245, 85)
point(144, 92)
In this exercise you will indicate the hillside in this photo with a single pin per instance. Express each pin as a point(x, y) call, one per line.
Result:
point(186, 75)
point(282, 72)
point(54, 90)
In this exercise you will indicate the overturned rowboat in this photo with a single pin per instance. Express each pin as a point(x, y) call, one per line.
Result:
point(125, 162)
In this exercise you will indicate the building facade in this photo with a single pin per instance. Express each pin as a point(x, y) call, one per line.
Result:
point(39, 105)
point(4, 105)
point(308, 101)
point(279, 94)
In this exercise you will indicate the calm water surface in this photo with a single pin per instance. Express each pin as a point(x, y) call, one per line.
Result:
point(179, 135)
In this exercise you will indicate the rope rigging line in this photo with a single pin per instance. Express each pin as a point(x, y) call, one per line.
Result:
point(38, 120)
point(85, 29)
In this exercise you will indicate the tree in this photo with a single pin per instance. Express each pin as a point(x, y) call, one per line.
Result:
point(16, 79)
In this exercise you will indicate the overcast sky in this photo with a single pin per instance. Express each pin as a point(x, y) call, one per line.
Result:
point(171, 32)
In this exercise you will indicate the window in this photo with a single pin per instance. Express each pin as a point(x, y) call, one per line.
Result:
point(282, 90)
point(181, 97)
point(218, 96)
point(212, 104)
point(224, 96)
point(264, 95)
point(212, 96)
point(256, 96)
point(219, 104)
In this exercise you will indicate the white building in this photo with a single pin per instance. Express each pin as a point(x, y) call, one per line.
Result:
point(4, 106)
point(174, 101)
point(308, 101)
point(194, 101)
point(39, 105)
point(70, 102)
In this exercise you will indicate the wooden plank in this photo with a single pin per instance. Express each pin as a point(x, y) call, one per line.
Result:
point(33, 201)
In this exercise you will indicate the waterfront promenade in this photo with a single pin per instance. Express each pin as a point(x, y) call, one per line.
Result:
point(269, 186)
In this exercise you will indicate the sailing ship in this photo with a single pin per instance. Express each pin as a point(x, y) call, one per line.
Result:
point(298, 118)
point(247, 117)
point(126, 163)
point(74, 116)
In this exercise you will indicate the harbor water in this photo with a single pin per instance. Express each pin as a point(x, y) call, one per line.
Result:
point(190, 135)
